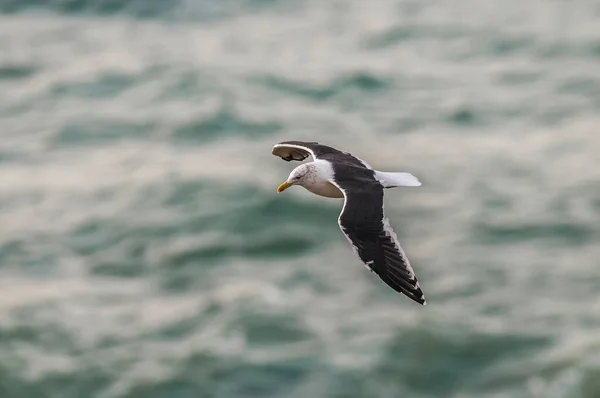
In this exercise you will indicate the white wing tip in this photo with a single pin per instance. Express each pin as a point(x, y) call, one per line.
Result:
point(410, 180)
point(398, 179)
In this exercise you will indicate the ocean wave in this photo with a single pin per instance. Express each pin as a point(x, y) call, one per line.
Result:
point(221, 124)
point(569, 233)
point(16, 72)
point(140, 8)
point(361, 82)
point(100, 132)
point(179, 9)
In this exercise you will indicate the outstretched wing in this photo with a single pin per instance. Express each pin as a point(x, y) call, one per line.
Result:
point(363, 222)
point(300, 150)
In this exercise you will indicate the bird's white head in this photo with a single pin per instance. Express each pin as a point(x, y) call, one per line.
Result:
point(299, 176)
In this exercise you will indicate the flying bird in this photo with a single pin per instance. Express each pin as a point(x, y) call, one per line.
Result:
point(337, 174)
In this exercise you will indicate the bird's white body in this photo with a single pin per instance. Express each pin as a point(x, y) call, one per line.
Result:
point(326, 189)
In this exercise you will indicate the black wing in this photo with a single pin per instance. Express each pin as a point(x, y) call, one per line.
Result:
point(363, 222)
point(300, 150)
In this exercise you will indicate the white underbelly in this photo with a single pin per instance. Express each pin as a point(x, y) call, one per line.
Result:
point(326, 189)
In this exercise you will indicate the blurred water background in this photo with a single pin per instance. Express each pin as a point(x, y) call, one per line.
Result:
point(144, 252)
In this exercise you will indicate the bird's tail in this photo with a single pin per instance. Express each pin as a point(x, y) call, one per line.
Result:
point(397, 179)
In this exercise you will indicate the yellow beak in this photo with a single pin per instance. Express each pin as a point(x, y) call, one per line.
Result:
point(283, 187)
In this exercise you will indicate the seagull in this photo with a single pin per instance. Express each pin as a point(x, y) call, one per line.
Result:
point(337, 174)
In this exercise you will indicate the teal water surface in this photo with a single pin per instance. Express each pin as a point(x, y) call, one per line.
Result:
point(144, 252)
